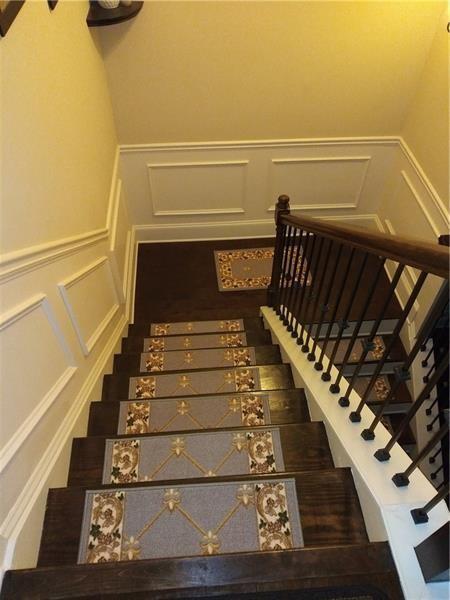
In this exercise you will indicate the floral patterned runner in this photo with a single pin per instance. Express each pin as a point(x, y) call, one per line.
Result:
point(254, 451)
point(190, 520)
point(379, 391)
point(193, 342)
point(357, 350)
point(194, 383)
point(178, 414)
point(177, 360)
point(190, 327)
point(251, 268)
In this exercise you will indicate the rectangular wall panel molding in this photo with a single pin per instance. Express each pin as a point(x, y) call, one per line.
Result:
point(197, 187)
point(318, 183)
point(93, 308)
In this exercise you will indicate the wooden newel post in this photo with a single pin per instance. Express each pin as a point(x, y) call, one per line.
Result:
point(281, 209)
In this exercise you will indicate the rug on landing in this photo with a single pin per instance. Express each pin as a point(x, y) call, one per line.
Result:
point(248, 269)
point(190, 520)
point(209, 412)
point(177, 360)
point(189, 327)
point(192, 342)
point(194, 383)
point(193, 455)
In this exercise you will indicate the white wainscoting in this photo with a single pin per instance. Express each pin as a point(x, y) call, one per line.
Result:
point(228, 189)
point(63, 317)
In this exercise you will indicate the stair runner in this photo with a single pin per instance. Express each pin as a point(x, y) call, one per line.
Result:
point(215, 458)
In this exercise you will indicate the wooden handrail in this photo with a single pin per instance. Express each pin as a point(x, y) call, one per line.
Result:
point(427, 257)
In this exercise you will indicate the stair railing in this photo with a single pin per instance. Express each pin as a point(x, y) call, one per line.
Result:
point(326, 276)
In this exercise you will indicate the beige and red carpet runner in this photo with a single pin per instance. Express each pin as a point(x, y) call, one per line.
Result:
point(193, 342)
point(190, 327)
point(190, 520)
point(177, 360)
point(205, 412)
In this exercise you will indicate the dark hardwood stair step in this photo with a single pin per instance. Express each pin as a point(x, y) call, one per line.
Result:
point(272, 377)
point(304, 445)
point(286, 406)
point(143, 329)
point(222, 576)
point(329, 508)
point(254, 338)
point(130, 363)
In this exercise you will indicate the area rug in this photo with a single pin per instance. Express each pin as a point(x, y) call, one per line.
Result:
point(190, 520)
point(177, 360)
point(248, 269)
point(192, 342)
point(209, 412)
point(188, 327)
point(130, 460)
point(194, 383)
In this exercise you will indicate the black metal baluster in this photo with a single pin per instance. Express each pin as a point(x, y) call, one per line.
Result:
point(295, 283)
point(355, 416)
point(289, 275)
point(383, 453)
point(429, 410)
point(343, 322)
point(432, 458)
point(283, 271)
point(334, 388)
point(425, 360)
point(420, 515)
point(304, 287)
point(434, 474)
point(319, 366)
point(301, 283)
point(311, 356)
point(402, 479)
point(367, 343)
point(431, 423)
point(402, 373)
point(281, 209)
point(312, 294)
point(426, 377)
point(325, 308)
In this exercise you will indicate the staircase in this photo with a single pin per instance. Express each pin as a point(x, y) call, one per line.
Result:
point(204, 403)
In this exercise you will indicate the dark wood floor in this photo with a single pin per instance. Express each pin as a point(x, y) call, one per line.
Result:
point(177, 281)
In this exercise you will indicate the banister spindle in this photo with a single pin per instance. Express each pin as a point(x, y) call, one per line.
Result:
point(319, 366)
point(367, 343)
point(355, 416)
point(311, 356)
point(402, 373)
point(402, 479)
point(325, 305)
point(296, 282)
point(283, 278)
point(334, 388)
point(307, 267)
point(384, 453)
point(312, 294)
point(420, 515)
point(286, 291)
point(282, 208)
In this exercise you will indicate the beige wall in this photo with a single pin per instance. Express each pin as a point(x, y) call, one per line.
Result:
point(58, 136)
point(426, 128)
point(186, 71)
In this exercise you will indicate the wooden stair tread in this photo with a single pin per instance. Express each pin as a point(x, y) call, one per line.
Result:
point(305, 448)
point(129, 363)
point(329, 510)
point(219, 575)
point(286, 406)
point(273, 377)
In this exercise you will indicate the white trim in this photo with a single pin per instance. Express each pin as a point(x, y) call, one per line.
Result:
point(419, 201)
point(14, 444)
point(64, 286)
point(440, 205)
point(114, 219)
point(12, 525)
point(112, 198)
point(203, 211)
point(237, 144)
point(341, 206)
point(131, 274)
point(21, 261)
